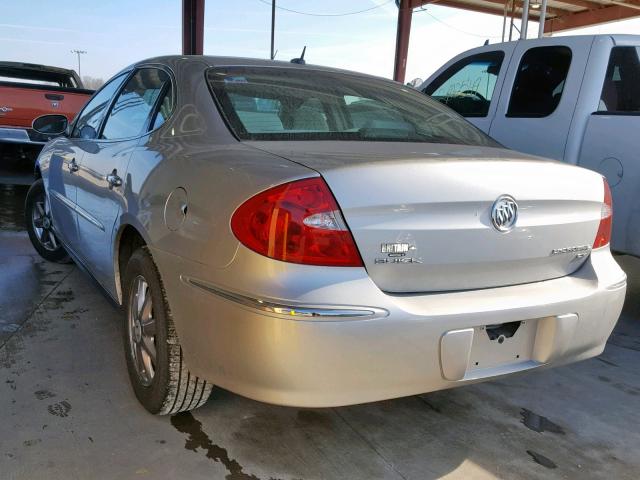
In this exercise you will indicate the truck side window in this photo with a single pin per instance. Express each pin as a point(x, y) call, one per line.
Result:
point(621, 89)
point(467, 85)
point(539, 83)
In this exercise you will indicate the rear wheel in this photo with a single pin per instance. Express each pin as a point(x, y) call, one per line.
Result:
point(40, 225)
point(160, 379)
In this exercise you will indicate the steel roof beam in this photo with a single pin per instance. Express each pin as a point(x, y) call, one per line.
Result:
point(589, 17)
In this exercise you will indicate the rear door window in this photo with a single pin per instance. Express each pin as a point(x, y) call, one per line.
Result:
point(621, 89)
point(165, 107)
point(467, 86)
point(539, 82)
point(131, 111)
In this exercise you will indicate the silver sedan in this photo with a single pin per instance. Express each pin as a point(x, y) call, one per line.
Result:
point(314, 237)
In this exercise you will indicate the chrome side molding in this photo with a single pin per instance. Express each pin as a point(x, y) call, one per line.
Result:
point(291, 311)
point(78, 209)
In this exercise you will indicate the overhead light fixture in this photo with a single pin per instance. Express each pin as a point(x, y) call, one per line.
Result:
point(535, 4)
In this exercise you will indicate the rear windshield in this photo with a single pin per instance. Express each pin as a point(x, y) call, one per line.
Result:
point(279, 103)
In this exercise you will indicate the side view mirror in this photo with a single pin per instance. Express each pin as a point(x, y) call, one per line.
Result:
point(415, 83)
point(88, 132)
point(51, 125)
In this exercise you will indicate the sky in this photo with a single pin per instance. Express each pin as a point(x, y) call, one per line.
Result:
point(117, 33)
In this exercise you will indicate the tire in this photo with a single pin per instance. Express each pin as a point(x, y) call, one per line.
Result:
point(37, 217)
point(159, 376)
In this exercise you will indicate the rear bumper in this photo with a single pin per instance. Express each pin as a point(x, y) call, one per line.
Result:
point(24, 136)
point(415, 343)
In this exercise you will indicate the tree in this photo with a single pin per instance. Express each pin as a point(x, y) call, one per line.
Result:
point(92, 83)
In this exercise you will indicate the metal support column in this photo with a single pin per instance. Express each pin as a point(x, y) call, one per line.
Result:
point(525, 19)
point(504, 18)
point(513, 15)
point(192, 27)
point(543, 14)
point(272, 55)
point(402, 40)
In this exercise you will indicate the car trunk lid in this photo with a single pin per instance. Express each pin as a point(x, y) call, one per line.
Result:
point(421, 213)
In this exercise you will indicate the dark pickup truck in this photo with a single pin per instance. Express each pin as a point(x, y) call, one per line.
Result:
point(28, 91)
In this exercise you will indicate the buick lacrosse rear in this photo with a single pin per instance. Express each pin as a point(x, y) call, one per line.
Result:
point(313, 237)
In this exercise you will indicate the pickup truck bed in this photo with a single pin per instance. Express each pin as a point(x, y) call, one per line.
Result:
point(28, 102)
point(28, 91)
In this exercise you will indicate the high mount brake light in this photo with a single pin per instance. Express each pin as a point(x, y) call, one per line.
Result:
point(297, 222)
point(603, 237)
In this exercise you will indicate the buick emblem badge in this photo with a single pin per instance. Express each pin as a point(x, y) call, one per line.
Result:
point(504, 213)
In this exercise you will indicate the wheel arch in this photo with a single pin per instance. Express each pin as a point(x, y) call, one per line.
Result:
point(127, 240)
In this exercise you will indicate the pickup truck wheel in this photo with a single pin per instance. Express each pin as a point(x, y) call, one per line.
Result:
point(160, 379)
point(40, 225)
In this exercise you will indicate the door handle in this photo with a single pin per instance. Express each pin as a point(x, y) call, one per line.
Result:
point(114, 180)
point(73, 166)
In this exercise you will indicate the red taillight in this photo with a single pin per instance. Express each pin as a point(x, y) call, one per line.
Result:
point(297, 222)
point(603, 237)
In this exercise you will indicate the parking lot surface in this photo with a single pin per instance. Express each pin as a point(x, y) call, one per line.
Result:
point(68, 411)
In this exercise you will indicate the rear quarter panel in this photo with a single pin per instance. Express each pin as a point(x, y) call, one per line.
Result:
point(194, 152)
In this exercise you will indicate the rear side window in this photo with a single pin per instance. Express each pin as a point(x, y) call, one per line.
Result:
point(283, 103)
point(165, 107)
point(467, 86)
point(132, 110)
point(621, 89)
point(91, 116)
point(540, 81)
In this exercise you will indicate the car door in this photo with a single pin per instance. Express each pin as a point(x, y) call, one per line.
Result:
point(470, 84)
point(540, 94)
point(610, 143)
point(64, 165)
point(101, 194)
point(61, 188)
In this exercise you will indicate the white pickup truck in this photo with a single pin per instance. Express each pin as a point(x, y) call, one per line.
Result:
point(575, 99)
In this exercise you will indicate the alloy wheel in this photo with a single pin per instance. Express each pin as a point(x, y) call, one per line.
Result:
point(142, 330)
point(43, 225)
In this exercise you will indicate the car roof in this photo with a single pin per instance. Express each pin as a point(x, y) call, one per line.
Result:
point(223, 61)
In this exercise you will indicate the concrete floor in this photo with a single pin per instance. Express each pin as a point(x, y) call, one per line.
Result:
point(68, 411)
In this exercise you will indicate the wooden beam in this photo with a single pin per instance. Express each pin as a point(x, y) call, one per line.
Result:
point(588, 18)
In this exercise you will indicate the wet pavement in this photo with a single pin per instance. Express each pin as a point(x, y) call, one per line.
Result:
point(68, 411)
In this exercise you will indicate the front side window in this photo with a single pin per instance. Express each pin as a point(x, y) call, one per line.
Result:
point(539, 82)
point(89, 120)
point(467, 86)
point(621, 89)
point(280, 103)
point(132, 109)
